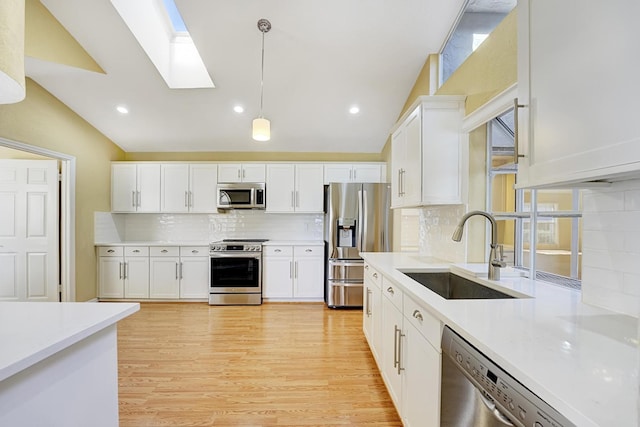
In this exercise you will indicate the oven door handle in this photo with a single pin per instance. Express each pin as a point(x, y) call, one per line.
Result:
point(256, 255)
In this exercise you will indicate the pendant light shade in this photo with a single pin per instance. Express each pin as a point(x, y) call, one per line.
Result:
point(12, 81)
point(261, 129)
point(262, 126)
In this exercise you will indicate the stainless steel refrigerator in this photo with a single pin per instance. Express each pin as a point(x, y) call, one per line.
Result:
point(357, 220)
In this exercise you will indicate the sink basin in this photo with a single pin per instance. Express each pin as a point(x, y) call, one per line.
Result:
point(451, 286)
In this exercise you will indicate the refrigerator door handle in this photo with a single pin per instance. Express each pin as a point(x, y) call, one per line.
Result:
point(361, 219)
point(364, 239)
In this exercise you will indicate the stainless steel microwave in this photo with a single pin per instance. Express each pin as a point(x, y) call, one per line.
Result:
point(241, 195)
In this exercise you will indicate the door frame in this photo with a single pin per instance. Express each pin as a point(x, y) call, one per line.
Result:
point(67, 220)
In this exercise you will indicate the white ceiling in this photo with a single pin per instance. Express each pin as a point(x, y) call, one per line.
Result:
point(321, 57)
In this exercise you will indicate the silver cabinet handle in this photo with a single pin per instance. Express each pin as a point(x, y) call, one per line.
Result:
point(397, 348)
point(244, 173)
point(176, 271)
point(126, 270)
point(139, 198)
point(308, 250)
point(297, 199)
point(181, 276)
point(390, 290)
point(368, 302)
point(295, 270)
point(195, 251)
point(136, 251)
point(238, 173)
point(418, 315)
point(278, 250)
point(516, 139)
point(355, 176)
point(120, 270)
point(190, 199)
point(366, 266)
point(133, 199)
point(399, 182)
point(110, 251)
point(164, 251)
point(375, 275)
point(290, 269)
point(186, 199)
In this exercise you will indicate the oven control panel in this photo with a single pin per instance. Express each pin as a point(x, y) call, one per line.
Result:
point(502, 394)
point(235, 247)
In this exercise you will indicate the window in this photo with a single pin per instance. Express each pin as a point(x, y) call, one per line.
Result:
point(474, 25)
point(552, 216)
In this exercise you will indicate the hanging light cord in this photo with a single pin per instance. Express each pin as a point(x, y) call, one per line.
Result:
point(262, 76)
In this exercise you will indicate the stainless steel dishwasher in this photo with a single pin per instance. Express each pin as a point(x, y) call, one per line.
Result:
point(477, 392)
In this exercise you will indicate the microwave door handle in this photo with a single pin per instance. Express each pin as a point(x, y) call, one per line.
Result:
point(224, 198)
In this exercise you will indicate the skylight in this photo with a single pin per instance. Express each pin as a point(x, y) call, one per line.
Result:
point(163, 35)
point(175, 17)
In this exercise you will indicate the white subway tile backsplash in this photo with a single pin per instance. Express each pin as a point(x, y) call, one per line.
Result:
point(611, 247)
point(208, 227)
point(436, 226)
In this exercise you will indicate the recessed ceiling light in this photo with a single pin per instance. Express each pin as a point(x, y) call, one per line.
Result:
point(354, 110)
point(122, 109)
point(238, 109)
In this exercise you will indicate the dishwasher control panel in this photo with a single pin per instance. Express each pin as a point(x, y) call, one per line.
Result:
point(507, 398)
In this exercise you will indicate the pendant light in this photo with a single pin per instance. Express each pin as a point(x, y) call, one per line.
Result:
point(12, 80)
point(262, 126)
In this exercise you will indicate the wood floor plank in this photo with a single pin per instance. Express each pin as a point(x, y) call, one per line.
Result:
point(277, 364)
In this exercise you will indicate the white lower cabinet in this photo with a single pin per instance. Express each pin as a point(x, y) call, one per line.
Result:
point(123, 272)
point(194, 272)
point(372, 310)
point(293, 272)
point(410, 361)
point(141, 272)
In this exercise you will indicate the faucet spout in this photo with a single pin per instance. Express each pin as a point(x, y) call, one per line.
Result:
point(495, 261)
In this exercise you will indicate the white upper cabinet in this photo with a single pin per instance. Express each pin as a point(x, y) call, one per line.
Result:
point(245, 172)
point(188, 187)
point(294, 187)
point(135, 187)
point(356, 172)
point(578, 86)
point(428, 154)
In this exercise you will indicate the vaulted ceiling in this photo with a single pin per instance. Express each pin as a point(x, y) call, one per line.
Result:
point(321, 58)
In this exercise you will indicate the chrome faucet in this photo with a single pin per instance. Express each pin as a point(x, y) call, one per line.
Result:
point(496, 256)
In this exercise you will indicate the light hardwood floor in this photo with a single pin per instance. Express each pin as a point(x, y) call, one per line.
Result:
point(278, 364)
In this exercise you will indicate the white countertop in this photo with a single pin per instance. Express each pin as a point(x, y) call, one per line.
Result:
point(33, 331)
point(580, 359)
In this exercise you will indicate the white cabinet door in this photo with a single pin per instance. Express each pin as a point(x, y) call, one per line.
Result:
point(278, 277)
point(338, 172)
point(253, 172)
point(308, 272)
point(123, 187)
point(174, 184)
point(194, 277)
point(202, 185)
point(420, 382)
point(163, 280)
point(367, 173)
point(309, 192)
point(228, 172)
point(412, 171)
point(136, 282)
point(392, 341)
point(235, 172)
point(398, 143)
point(280, 188)
point(110, 277)
point(568, 131)
point(148, 181)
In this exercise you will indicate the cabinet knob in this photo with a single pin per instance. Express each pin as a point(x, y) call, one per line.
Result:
point(164, 251)
point(135, 251)
point(110, 251)
point(417, 315)
point(375, 275)
point(308, 250)
point(195, 251)
point(390, 290)
point(278, 250)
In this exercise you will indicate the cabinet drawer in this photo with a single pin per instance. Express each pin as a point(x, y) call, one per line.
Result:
point(372, 275)
point(302, 251)
point(164, 251)
point(110, 251)
point(136, 251)
point(392, 292)
point(277, 251)
point(194, 251)
point(426, 323)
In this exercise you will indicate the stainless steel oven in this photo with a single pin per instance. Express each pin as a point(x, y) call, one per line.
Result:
point(236, 272)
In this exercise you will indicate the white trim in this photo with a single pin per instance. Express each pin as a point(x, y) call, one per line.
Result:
point(67, 213)
point(493, 108)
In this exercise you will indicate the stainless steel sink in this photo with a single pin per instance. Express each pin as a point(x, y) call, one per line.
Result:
point(451, 286)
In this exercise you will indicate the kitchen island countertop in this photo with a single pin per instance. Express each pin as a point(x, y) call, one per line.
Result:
point(580, 359)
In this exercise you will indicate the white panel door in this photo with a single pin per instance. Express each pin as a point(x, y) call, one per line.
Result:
point(337, 173)
point(308, 274)
point(148, 180)
point(123, 187)
point(367, 173)
point(29, 230)
point(280, 188)
point(163, 280)
point(194, 277)
point(309, 196)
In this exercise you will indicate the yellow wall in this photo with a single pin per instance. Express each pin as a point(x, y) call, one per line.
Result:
point(41, 120)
